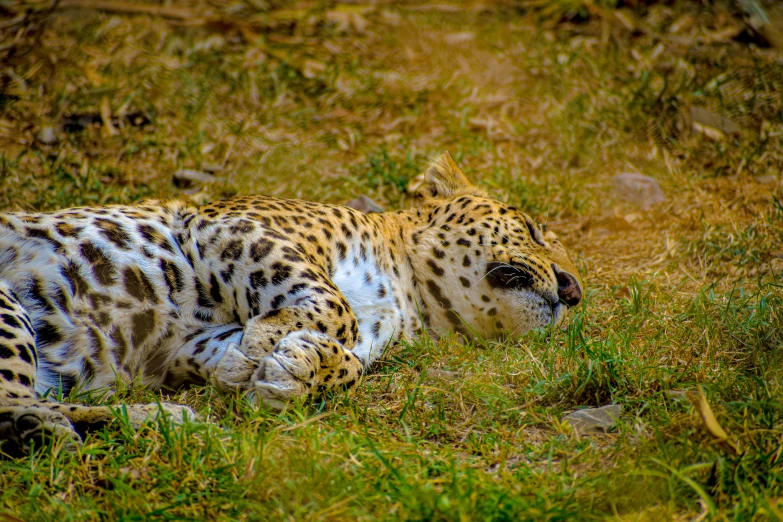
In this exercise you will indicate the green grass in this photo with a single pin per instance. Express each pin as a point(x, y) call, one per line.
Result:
point(542, 111)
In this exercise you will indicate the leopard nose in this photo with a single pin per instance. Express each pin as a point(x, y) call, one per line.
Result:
point(568, 289)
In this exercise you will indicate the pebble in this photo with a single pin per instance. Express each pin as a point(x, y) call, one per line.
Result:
point(594, 419)
point(47, 136)
point(638, 189)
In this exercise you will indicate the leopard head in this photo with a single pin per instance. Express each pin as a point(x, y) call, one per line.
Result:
point(485, 267)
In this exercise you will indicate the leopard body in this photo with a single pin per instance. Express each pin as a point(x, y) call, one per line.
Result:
point(275, 298)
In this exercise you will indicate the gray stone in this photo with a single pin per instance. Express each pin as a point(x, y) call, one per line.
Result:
point(767, 180)
point(47, 136)
point(594, 419)
point(438, 374)
point(638, 189)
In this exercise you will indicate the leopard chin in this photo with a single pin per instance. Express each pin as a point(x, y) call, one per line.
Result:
point(530, 310)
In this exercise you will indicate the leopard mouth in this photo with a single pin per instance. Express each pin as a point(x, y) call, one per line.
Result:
point(516, 275)
point(552, 310)
point(559, 311)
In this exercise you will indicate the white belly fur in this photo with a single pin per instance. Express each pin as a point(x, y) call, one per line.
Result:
point(370, 309)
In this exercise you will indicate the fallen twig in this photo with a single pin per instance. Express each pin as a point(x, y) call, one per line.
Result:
point(111, 6)
point(711, 423)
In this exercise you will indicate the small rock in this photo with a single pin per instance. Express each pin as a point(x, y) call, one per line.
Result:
point(643, 191)
point(594, 419)
point(47, 135)
point(459, 38)
point(78, 122)
point(364, 204)
point(390, 17)
point(435, 373)
point(186, 178)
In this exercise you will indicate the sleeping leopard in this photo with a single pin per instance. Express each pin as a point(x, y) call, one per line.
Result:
point(276, 299)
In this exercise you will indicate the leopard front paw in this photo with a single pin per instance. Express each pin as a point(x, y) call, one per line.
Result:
point(301, 364)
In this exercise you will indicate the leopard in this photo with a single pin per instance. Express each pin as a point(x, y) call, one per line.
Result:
point(278, 300)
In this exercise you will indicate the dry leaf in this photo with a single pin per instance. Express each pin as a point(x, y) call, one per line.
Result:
point(721, 35)
point(711, 423)
point(13, 21)
point(682, 24)
point(440, 8)
point(186, 178)
point(92, 75)
point(312, 69)
point(705, 117)
point(391, 17)
point(712, 125)
point(768, 22)
point(773, 31)
point(115, 6)
point(459, 38)
point(108, 126)
point(7, 128)
point(254, 57)
point(345, 17)
point(626, 19)
point(710, 132)
point(288, 15)
point(415, 184)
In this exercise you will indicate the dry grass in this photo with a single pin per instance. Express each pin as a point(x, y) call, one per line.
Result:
point(328, 101)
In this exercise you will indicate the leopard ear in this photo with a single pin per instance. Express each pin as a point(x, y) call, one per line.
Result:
point(444, 179)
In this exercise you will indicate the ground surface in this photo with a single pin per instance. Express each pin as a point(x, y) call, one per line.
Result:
point(331, 101)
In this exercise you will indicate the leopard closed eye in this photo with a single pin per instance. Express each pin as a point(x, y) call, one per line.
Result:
point(275, 298)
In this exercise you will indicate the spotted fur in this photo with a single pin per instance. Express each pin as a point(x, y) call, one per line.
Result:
point(275, 298)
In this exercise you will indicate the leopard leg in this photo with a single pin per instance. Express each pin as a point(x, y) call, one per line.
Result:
point(27, 420)
point(90, 418)
point(24, 420)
